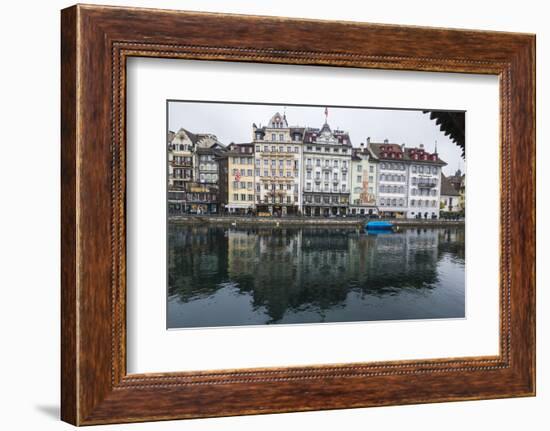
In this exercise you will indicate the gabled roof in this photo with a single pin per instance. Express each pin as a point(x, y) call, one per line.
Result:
point(392, 151)
point(311, 134)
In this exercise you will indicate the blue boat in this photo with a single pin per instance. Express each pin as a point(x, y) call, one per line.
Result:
point(379, 225)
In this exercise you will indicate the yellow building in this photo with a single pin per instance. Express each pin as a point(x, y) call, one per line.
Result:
point(237, 179)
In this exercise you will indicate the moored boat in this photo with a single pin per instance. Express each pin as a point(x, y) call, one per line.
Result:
point(379, 225)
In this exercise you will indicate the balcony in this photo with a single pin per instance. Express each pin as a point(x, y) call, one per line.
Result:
point(427, 183)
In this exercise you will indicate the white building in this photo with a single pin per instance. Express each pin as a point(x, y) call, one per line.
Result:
point(393, 176)
point(424, 184)
point(326, 172)
point(408, 180)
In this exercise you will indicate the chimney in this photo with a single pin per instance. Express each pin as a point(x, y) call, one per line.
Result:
point(362, 145)
point(402, 147)
point(421, 146)
point(386, 141)
point(368, 140)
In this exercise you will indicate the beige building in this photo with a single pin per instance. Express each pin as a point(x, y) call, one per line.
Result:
point(450, 200)
point(277, 161)
point(364, 174)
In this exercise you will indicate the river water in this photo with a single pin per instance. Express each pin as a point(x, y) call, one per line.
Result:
point(227, 276)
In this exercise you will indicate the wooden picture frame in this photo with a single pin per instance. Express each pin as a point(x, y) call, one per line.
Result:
point(95, 43)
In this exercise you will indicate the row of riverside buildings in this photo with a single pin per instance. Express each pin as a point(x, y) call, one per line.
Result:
point(293, 170)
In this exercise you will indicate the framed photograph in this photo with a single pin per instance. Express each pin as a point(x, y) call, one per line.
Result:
point(265, 215)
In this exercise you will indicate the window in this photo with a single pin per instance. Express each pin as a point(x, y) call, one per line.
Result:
point(235, 197)
point(359, 178)
point(359, 168)
point(272, 138)
point(413, 202)
point(421, 169)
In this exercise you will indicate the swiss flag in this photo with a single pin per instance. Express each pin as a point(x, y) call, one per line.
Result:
point(238, 176)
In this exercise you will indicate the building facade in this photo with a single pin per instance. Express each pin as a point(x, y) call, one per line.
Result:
point(408, 180)
point(393, 173)
point(450, 197)
point(193, 173)
point(424, 183)
point(364, 174)
point(277, 166)
point(237, 180)
point(294, 170)
point(326, 171)
point(458, 181)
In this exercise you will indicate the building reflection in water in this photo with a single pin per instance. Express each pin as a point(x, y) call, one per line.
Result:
point(236, 276)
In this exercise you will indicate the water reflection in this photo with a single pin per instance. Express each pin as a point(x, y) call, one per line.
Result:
point(220, 276)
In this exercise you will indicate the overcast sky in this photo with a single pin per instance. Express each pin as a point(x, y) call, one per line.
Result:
point(233, 123)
